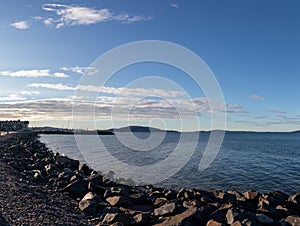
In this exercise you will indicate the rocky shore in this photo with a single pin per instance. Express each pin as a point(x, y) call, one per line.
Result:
point(39, 187)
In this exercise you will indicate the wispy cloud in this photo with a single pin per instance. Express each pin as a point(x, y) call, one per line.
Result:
point(22, 25)
point(256, 97)
point(174, 5)
point(112, 90)
point(71, 15)
point(33, 73)
point(51, 86)
point(276, 111)
point(80, 70)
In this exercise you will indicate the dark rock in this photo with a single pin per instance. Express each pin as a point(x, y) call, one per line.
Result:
point(96, 179)
point(77, 188)
point(273, 199)
point(263, 219)
point(115, 191)
point(119, 201)
point(234, 214)
point(66, 174)
point(85, 169)
point(166, 209)
point(38, 176)
point(184, 194)
point(139, 198)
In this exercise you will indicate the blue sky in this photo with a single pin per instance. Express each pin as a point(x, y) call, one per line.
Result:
point(251, 46)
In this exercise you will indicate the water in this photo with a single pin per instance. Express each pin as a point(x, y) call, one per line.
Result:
point(261, 161)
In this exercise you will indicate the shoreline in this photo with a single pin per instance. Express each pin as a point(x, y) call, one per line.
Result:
point(97, 200)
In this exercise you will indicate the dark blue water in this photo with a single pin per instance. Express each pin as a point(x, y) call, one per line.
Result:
point(260, 161)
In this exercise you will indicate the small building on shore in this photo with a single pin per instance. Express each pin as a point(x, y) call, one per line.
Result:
point(13, 125)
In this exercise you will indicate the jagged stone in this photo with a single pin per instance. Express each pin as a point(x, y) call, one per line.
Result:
point(119, 201)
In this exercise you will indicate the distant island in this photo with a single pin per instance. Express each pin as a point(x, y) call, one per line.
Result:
point(133, 128)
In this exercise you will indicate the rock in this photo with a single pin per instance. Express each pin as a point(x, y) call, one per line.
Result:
point(238, 195)
point(273, 199)
point(139, 198)
point(85, 169)
point(96, 179)
point(233, 215)
point(294, 202)
point(160, 201)
point(119, 201)
point(251, 195)
point(141, 218)
point(263, 219)
point(183, 194)
point(77, 188)
point(293, 220)
point(88, 206)
point(65, 162)
point(51, 169)
point(169, 194)
point(214, 223)
point(189, 217)
point(38, 176)
point(116, 217)
point(194, 202)
point(115, 191)
point(166, 209)
point(66, 174)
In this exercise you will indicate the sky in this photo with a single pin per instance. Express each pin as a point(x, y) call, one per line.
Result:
point(47, 48)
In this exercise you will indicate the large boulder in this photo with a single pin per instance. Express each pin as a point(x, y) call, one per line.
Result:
point(89, 203)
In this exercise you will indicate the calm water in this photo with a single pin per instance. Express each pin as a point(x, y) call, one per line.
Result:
point(262, 161)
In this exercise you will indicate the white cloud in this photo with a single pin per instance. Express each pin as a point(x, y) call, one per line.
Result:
point(256, 97)
point(81, 70)
point(71, 15)
point(33, 73)
point(22, 25)
point(12, 97)
point(48, 21)
point(51, 86)
point(32, 92)
point(174, 5)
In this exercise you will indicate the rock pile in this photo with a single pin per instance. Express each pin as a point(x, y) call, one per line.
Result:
point(109, 203)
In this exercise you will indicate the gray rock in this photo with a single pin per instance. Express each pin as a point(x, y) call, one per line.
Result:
point(166, 209)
